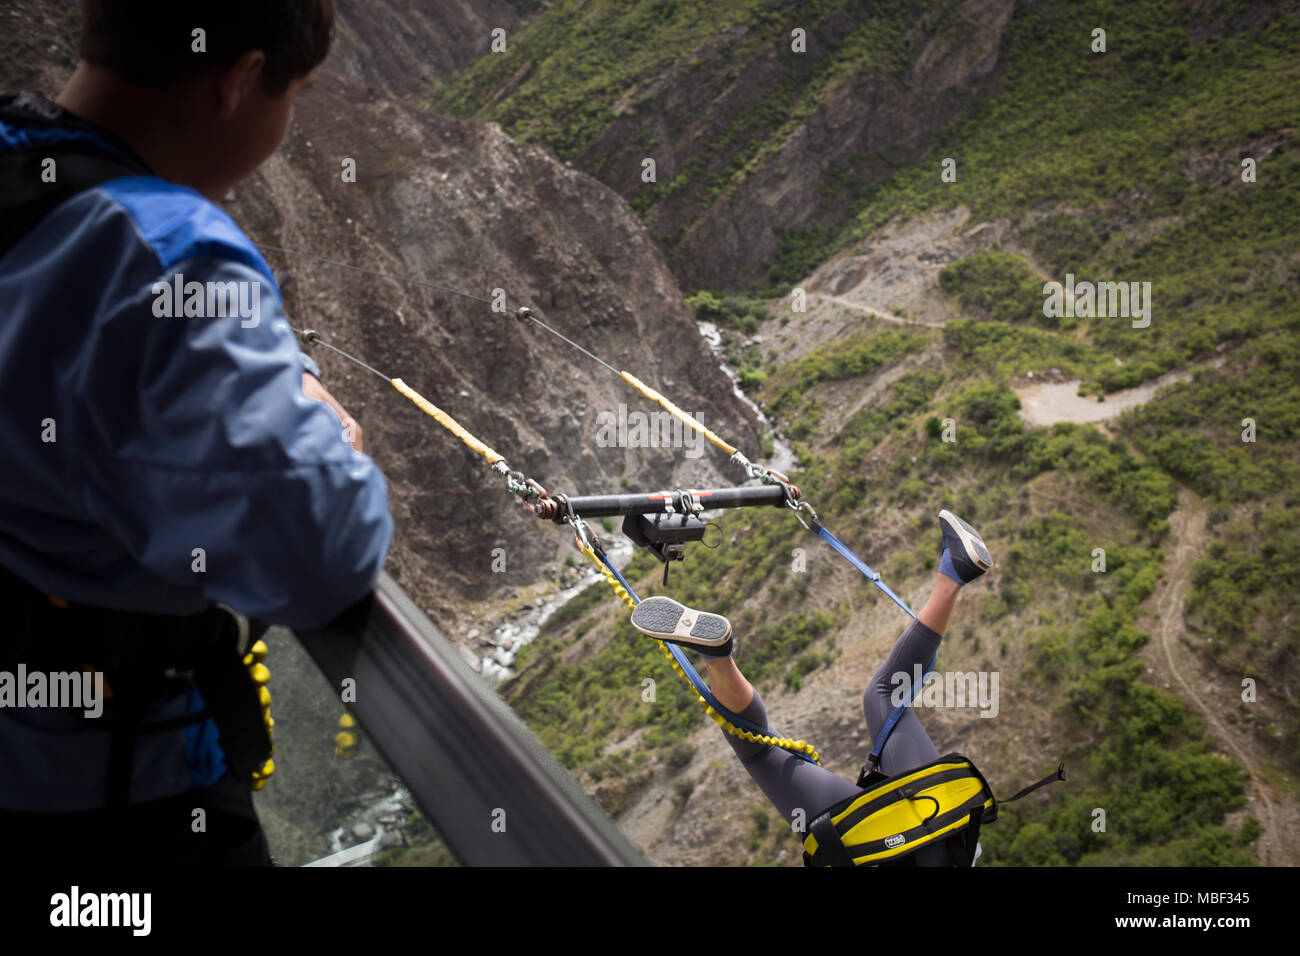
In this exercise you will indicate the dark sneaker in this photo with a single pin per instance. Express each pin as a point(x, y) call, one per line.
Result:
point(970, 558)
point(667, 620)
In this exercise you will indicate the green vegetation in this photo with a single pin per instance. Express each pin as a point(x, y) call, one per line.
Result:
point(1136, 155)
point(728, 311)
point(1005, 350)
point(1244, 589)
point(1126, 166)
point(1163, 794)
point(852, 357)
point(998, 285)
point(577, 60)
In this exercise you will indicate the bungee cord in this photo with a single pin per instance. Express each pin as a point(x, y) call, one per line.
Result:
point(516, 482)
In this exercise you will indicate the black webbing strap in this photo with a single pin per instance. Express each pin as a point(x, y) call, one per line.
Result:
point(870, 776)
point(1050, 778)
point(830, 848)
point(971, 836)
point(145, 659)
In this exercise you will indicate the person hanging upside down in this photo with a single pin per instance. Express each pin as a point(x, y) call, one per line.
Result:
point(799, 789)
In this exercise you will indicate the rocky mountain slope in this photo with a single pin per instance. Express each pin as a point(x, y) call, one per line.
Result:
point(400, 46)
point(759, 137)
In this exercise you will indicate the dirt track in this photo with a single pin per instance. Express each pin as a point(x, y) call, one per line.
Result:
point(1180, 668)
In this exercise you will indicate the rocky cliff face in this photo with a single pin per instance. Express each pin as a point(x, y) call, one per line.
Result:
point(866, 125)
point(459, 204)
point(400, 46)
point(757, 135)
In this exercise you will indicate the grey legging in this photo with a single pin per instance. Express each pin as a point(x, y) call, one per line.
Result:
point(794, 784)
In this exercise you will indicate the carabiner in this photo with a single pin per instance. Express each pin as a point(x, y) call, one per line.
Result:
point(579, 526)
point(803, 506)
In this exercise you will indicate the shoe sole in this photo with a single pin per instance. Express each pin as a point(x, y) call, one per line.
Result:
point(970, 540)
point(667, 620)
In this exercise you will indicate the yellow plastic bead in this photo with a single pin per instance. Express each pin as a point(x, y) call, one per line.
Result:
point(261, 674)
point(258, 651)
point(347, 721)
point(264, 696)
point(268, 768)
point(258, 784)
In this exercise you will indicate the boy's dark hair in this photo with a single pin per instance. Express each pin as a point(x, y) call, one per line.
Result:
point(151, 42)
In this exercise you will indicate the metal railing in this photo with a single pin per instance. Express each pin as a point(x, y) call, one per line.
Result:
point(495, 794)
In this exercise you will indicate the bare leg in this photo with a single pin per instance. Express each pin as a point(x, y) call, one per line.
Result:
point(938, 607)
point(728, 684)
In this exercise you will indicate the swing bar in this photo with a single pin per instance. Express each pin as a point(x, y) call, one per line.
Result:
point(665, 502)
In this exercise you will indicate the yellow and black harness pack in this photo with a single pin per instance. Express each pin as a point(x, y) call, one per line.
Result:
point(948, 800)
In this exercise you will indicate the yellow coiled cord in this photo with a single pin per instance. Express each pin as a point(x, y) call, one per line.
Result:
point(261, 676)
point(348, 739)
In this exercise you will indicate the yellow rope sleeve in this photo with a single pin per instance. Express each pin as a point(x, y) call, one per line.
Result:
point(785, 743)
point(672, 409)
point(446, 421)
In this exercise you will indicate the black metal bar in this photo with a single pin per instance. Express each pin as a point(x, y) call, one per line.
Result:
point(493, 791)
point(597, 506)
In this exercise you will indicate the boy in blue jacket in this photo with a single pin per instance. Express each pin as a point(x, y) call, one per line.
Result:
point(170, 456)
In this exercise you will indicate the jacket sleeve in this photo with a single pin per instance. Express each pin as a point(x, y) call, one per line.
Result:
point(209, 463)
